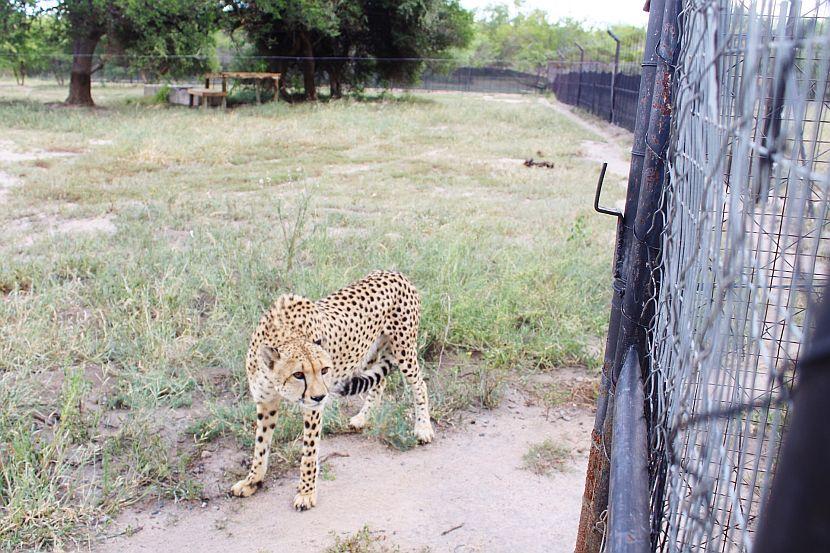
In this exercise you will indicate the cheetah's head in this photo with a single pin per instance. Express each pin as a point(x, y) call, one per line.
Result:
point(300, 369)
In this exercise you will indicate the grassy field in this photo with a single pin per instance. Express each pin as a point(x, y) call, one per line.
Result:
point(144, 241)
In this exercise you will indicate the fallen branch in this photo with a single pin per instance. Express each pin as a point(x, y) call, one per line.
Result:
point(333, 454)
point(531, 163)
point(128, 531)
point(453, 529)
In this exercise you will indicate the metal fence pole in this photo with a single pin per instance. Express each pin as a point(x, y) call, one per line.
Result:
point(581, 63)
point(644, 248)
point(595, 497)
point(614, 74)
point(628, 513)
point(647, 228)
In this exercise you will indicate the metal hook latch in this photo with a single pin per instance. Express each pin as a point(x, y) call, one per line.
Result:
point(605, 210)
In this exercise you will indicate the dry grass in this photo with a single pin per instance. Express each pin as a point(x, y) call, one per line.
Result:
point(365, 541)
point(121, 352)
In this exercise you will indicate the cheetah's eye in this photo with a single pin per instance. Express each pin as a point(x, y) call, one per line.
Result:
point(298, 375)
point(324, 370)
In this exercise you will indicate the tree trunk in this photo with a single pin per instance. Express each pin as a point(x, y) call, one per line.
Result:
point(282, 91)
point(334, 82)
point(19, 73)
point(80, 82)
point(308, 69)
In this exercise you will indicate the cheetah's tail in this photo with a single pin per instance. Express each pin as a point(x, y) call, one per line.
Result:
point(365, 381)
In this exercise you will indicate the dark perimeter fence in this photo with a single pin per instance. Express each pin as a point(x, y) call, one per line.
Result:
point(723, 252)
point(607, 88)
point(598, 89)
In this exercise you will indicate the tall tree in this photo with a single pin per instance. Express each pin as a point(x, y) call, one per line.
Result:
point(172, 27)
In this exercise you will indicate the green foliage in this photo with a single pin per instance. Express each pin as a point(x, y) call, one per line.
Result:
point(30, 42)
point(160, 97)
point(172, 40)
point(164, 38)
point(529, 40)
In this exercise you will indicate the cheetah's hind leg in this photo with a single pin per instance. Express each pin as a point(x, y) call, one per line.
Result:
point(408, 363)
point(383, 366)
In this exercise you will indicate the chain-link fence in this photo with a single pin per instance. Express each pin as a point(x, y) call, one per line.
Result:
point(722, 254)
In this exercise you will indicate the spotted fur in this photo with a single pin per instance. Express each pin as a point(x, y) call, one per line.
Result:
point(343, 344)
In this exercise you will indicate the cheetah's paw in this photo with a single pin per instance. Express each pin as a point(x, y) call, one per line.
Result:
point(358, 422)
point(245, 488)
point(424, 432)
point(303, 502)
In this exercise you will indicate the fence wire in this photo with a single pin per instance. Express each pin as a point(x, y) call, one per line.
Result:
point(744, 256)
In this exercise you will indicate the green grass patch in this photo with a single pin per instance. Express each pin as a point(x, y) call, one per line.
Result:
point(546, 458)
point(364, 540)
point(214, 215)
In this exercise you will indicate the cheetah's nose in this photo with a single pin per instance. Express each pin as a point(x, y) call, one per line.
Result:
point(318, 398)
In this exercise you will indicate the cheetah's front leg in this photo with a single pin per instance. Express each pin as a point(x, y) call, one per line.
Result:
point(266, 420)
point(306, 497)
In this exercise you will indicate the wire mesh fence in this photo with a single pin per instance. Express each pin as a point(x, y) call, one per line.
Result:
point(744, 256)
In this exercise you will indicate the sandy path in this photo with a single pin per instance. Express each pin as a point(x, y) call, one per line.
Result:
point(23, 230)
point(470, 476)
point(606, 151)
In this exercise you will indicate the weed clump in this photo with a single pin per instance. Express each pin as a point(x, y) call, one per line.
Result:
point(546, 457)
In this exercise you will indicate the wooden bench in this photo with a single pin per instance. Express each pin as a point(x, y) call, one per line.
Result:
point(258, 77)
point(205, 94)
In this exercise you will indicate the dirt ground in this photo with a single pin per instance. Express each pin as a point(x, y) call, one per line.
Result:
point(466, 492)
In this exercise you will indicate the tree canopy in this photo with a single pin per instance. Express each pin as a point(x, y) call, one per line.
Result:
point(29, 41)
point(347, 42)
point(373, 31)
point(529, 39)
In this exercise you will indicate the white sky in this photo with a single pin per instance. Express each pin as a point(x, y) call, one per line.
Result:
point(599, 13)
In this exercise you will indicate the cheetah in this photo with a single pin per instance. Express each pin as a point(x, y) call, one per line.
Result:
point(343, 344)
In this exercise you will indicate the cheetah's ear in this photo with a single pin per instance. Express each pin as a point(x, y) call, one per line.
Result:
point(321, 341)
point(268, 355)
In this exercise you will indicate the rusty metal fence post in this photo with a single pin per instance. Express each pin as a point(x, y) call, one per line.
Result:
point(633, 260)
